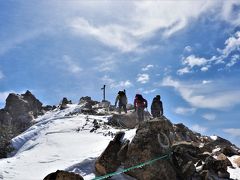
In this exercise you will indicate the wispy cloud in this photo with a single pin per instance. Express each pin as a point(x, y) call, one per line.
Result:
point(232, 45)
point(188, 49)
point(228, 13)
point(1, 75)
point(149, 91)
point(141, 21)
point(143, 78)
point(106, 63)
point(70, 65)
point(200, 129)
point(184, 110)
point(146, 68)
point(204, 95)
point(209, 116)
point(14, 42)
point(233, 131)
point(116, 84)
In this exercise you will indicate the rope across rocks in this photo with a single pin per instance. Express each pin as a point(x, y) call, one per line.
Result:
point(166, 156)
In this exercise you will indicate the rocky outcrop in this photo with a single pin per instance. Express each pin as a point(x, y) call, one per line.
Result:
point(184, 152)
point(63, 104)
point(21, 109)
point(63, 175)
point(18, 113)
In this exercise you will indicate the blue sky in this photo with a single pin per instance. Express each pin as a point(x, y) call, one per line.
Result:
point(188, 52)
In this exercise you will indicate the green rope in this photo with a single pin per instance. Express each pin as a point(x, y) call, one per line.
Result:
point(133, 167)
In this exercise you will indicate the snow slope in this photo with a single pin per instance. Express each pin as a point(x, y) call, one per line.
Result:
point(58, 141)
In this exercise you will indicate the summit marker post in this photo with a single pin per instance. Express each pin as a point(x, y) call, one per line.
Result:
point(104, 92)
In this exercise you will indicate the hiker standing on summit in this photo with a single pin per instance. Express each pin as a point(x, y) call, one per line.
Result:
point(139, 105)
point(156, 107)
point(122, 101)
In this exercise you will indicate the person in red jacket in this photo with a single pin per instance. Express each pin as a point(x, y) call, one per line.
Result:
point(139, 105)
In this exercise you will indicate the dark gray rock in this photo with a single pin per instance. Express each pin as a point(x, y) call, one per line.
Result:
point(151, 141)
point(63, 175)
point(108, 161)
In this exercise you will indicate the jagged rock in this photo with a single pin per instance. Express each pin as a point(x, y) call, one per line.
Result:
point(229, 151)
point(151, 141)
point(217, 166)
point(128, 120)
point(63, 175)
point(22, 108)
point(122, 154)
point(87, 105)
point(108, 161)
point(182, 133)
point(47, 108)
point(17, 107)
point(5, 117)
point(64, 103)
point(218, 143)
point(34, 103)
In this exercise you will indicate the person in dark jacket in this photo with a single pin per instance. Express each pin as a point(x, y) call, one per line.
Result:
point(139, 105)
point(156, 107)
point(121, 99)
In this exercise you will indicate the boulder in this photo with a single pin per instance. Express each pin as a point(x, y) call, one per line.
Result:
point(128, 120)
point(108, 161)
point(229, 151)
point(63, 175)
point(151, 141)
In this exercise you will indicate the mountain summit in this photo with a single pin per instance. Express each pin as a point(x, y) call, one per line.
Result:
point(91, 139)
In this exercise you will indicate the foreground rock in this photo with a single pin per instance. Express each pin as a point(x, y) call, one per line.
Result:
point(186, 154)
point(63, 175)
point(152, 140)
point(108, 161)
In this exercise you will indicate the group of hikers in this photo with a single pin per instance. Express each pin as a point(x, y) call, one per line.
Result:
point(139, 105)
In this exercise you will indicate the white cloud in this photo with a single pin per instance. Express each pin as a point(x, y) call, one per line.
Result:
point(139, 22)
point(204, 95)
point(233, 131)
point(228, 13)
point(70, 65)
point(206, 81)
point(209, 116)
point(199, 129)
point(143, 78)
point(192, 61)
point(185, 111)
point(232, 44)
point(184, 70)
point(188, 49)
point(116, 84)
point(235, 58)
point(106, 63)
point(149, 66)
point(149, 91)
